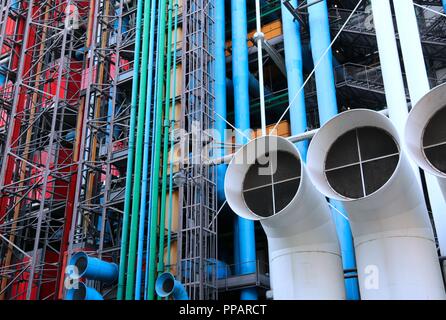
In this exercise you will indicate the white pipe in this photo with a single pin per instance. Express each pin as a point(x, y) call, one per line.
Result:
point(412, 51)
point(259, 37)
point(416, 125)
point(305, 259)
point(418, 84)
point(390, 63)
point(394, 243)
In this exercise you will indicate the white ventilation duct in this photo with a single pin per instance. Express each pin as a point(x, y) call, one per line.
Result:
point(425, 134)
point(356, 158)
point(304, 254)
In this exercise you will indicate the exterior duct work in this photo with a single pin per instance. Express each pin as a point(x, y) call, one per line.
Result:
point(94, 268)
point(356, 158)
point(166, 286)
point(425, 134)
point(304, 254)
point(83, 292)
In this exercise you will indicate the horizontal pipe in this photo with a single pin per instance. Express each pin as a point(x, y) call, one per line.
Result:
point(294, 139)
point(83, 292)
point(94, 268)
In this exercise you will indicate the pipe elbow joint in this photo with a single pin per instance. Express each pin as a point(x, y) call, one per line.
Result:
point(167, 286)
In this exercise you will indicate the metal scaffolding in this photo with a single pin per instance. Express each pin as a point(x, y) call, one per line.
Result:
point(37, 166)
point(66, 71)
point(198, 216)
point(98, 202)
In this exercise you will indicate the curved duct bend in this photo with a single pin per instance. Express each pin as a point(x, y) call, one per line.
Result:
point(425, 134)
point(305, 260)
point(94, 268)
point(166, 286)
point(356, 158)
point(83, 292)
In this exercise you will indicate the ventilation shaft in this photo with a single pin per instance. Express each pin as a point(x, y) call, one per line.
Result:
point(356, 158)
point(425, 134)
point(267, 182)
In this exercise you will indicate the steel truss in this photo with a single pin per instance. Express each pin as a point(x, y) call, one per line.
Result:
point(198, 223)
point(37, 166)
point(98, 201)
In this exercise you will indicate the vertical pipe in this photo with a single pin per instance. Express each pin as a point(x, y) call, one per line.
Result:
point(146, 156)
point(320, 39)
point(418, 84)
point(390, 63)
point(172, 146)
point(260, 36)
point(444, 5)
point(326, 96)
point(165, 158)
point(153, 177)
point(130, 157)
point(157, 148)
point(294, 65)
point(2, 76)
point(220, 91)
point(130, 285)
point(240, 71)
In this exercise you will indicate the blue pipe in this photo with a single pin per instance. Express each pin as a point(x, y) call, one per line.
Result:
point(83, 292)
point(245, 233)
point(94, 268)
point(166, 286)
point(326, 96)
point(15, 5)
point(152, 174)
point(145, 168)
point(220, 268)
point(236, 245)
point(444, 5)
point(254, 87)
point(220, 90)
point(294, 67)
point(216, 268)
point(254, 90)
point(70, 136)
point(3, 69)
point(124, 24)
point(109, 137)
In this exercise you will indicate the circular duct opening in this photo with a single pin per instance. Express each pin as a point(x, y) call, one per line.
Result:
point(361, 161)
point(434, 140)
point(80, 293)
point(271, 183)
point(168, 285)
point(81, 264)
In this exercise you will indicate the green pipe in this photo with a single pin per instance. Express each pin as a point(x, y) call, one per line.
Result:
point(128, 183)
point(130, 285)
point(166, 144)
point(157, 147)
point(266, 9)
point(172, 147)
